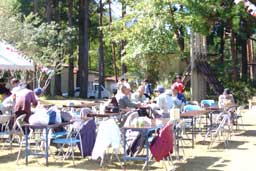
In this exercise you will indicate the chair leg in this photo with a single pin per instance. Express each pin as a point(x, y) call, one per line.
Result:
point(102, 160)
point(18, 156)
point(118, 159)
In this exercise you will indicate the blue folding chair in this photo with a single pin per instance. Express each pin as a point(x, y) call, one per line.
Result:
point(73, 137)
point(208, 103)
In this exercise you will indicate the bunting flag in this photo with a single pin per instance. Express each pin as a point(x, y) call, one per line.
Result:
point(250, 7)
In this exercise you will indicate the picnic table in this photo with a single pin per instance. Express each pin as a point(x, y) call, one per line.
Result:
point(41, 127)
point(193, 115)
point(146, 129)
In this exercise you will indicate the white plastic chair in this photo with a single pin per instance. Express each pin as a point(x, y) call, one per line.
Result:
point(5, 131)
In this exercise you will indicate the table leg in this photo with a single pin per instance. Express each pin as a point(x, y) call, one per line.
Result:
point(193, 131)
point(26, 144)
point(147, 147)
point(46, 145)
point(124, 145)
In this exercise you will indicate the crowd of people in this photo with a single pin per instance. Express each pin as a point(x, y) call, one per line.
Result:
point(160, 101)
point(17, 98)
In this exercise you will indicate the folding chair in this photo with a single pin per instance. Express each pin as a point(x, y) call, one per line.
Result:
point(219, 128)
point(5, 131)
point(17, 130)
point(208, 103)
point(72, 138)
point(238, 115)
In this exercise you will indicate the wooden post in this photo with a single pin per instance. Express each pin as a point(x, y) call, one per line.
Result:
point(198, 52)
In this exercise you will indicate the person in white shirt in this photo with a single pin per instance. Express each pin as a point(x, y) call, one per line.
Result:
point(166, 101)
point(139, 96)
point(8, 104)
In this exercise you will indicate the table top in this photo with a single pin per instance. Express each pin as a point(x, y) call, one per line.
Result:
point(193, 113)
point(103, 114)
point(155, 123)
point(213, 108)
point(49, 126)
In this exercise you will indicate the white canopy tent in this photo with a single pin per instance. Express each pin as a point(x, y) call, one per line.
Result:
point(11, 59)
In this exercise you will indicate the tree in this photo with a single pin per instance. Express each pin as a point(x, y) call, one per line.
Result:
point(84, 47)
point(71, 58)
point(101, 51)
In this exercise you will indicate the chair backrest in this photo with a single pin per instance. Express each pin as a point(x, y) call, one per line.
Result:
point(4, 121)
point(191, 108)
point(224, 121)
point(208, 103)
point(17, 126)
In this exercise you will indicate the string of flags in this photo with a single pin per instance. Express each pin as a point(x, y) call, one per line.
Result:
point(250, 7)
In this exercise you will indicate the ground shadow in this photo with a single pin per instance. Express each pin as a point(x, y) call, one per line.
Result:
point(231, 145)
point(248, 133)
point(198, 163)
point(111, 164)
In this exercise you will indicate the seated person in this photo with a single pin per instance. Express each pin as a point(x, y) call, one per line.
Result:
point(139, 96)
point(165, 102)
point(226, 99)
point(113, 100)
point(123, 100)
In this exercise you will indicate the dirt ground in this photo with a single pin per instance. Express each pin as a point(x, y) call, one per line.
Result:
point(238, 156)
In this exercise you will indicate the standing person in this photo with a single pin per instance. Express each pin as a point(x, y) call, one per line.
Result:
point(16, 85)
point(178, 83)
point(180, 96)
point(147, 91)
point(24, 100)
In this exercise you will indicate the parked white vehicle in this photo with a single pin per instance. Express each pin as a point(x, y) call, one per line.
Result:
point(92, 91)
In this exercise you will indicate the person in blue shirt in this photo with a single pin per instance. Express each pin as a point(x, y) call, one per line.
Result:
point(147, 91)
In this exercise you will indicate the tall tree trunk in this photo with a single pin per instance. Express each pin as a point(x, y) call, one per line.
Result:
point(35, 82)
point(222, 45)
point(101, 51)
point(198, 52)
point(112, 43)
point(71, 58)
point(244, 66)
point(84, 48)
point(48, 11)
point(48, 16)
point(35, 6)
point(57, 83)
point(250, 58)
point(233, 45)
point(123, 66)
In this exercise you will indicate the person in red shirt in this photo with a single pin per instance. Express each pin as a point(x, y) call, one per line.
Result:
point(178, 83)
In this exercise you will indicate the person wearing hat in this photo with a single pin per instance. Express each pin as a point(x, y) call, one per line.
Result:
point(226, 99)
point(165, 102)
